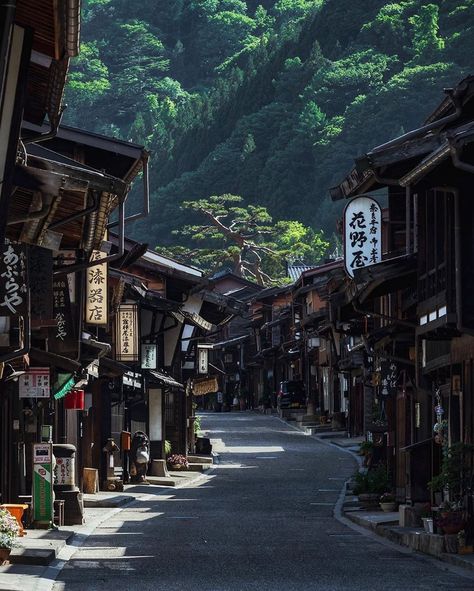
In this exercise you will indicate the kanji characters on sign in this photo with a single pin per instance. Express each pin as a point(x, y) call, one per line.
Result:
point(362, 235)
point(96, 291)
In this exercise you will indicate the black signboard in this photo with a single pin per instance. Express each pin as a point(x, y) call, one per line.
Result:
point(13, 280)
point(40, 266)
point(62, 336)
point(388, 378)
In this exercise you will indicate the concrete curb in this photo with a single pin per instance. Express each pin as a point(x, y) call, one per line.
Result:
point(412, 539)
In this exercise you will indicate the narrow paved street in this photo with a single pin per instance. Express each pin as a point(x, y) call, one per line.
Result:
point(262, 520)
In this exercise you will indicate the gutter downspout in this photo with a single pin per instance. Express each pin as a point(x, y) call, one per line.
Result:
point(146, 197)
point(79, 214)
point(457, 261)
point(415, 132)
point(382, 316)
point(469, 168)
point(7, 16)
point(407, 219)
point(49, 134)
point(66, 269)
point(27, 339)
point(34, 215)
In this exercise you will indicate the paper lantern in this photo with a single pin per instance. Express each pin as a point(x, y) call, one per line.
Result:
point(74, 400)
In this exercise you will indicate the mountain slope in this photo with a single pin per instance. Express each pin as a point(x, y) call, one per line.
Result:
point(271, 100)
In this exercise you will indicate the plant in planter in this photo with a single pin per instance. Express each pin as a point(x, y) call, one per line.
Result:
point(388, 502)
point(366, 449)
point(177, 462)
point(452, 517)
point(9, 532)
point(369, 485)
point(454, 481)
point(426, 515)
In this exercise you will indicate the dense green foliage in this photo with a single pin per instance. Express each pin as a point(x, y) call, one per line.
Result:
point(245, 239)
point(268, 99)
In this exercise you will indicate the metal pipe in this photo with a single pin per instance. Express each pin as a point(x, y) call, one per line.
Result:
point(92, 208)
point(7, 16)
point(407, 219)
point(26, 346)
point(34, 215)
point(415, 222)
point(82, 289)
point(146, 198)
point(54, 126)
point(425, 128)
point(458, 163)
point(382, 316)
point(457, 260)
point(385, 181)
point(66, 269)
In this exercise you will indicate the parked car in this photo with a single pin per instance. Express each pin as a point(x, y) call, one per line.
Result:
point(291, 394)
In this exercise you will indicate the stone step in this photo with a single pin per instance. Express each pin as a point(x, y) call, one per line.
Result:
point(40, 547)
point(161, 480)
point(36, 556)
point(198, 467)
point(200, 459)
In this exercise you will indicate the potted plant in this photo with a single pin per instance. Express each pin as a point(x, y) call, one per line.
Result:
point(369, 485)
point(427, 518)
point(455, 480)
point(388, 502)
point(366, 449)
point(177, 462)
point(9, 532)
point(452, 517)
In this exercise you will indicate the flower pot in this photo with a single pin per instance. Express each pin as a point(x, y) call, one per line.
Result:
point(369, 500)
point(389, 507)
point(4, 555)
point(452, 522)
point(177, 467)
point(428, 524)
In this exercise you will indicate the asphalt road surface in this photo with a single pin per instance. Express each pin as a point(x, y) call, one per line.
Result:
point(262, 520)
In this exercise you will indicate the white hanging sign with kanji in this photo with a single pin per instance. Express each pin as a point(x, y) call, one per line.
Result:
point(362, 234)
point(126, 333)
point(96, 291)
point(35, 383)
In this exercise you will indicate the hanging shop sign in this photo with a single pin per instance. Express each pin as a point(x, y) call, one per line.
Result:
point(42, 484)
point(203, 360)
point(62, 336)
point(204, 386)
point(13, 280)
point(35, 383)
point(126, 336)
point(388, 378)
point(148, 356)
point(362, 234)
point(40, 271)
point(96, 291)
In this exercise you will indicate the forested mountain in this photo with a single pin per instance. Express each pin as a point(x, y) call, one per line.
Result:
point(266, 99)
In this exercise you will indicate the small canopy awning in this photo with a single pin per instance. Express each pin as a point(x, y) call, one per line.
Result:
point(112, 369)
point(37, 356)
point(194, 319)
point(164, 379)
point(386, 276)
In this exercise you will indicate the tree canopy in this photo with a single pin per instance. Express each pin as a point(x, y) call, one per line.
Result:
point(246, 239)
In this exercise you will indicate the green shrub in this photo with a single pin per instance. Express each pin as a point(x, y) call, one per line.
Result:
point(373, 481)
